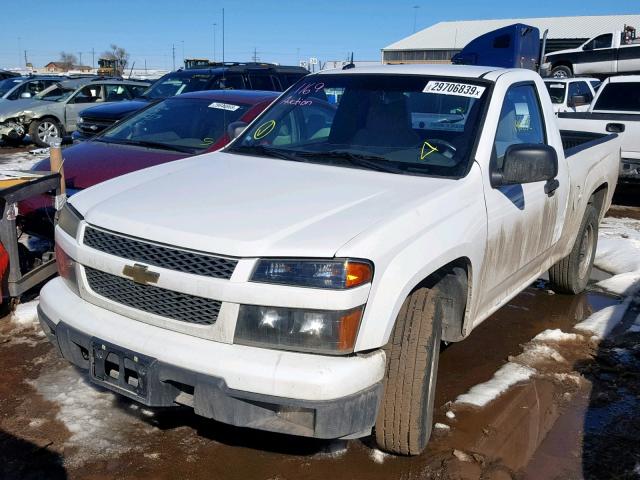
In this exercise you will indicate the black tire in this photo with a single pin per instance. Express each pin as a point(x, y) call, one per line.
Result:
point(39, 129)
point(405, 416)
point(571, 274)
point(561, 71)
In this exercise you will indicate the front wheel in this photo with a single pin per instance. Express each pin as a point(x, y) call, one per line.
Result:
point(404, 420)
point(571, 274)
point(561, 71)
point(41, 130)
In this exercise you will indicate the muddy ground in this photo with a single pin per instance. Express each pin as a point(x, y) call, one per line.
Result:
point(576, 417)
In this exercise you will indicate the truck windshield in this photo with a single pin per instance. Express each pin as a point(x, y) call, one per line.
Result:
point(180, 83)
point(407, 124)
point(190, 125)
point(623, 97)
point(557, 91)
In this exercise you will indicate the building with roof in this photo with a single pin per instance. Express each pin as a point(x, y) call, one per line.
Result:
point(61, 67)
point(440, 42)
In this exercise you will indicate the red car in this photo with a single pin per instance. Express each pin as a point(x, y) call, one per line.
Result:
point(174, 128)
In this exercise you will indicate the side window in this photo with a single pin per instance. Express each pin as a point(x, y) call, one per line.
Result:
point(601, 41)
point(520, 120)
point(88, 94)
point(233, 81)
point(574, 89)
point(116, 93)
point(261, 82)
point(136, 90)
point(585, 91)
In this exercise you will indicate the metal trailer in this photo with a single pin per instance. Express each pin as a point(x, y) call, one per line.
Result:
point(15, 283)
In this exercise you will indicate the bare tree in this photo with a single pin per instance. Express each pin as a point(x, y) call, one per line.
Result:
point(68, 60)
point(120, 55)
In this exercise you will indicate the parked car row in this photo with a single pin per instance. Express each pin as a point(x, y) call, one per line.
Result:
point(54, 111)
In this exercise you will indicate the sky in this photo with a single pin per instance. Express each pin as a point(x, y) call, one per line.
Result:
point(279, 31)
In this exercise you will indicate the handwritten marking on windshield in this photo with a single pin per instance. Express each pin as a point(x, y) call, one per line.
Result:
point(264, 129)
point(427, 149)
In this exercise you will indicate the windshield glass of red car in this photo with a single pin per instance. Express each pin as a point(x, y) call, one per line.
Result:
point(189, 124)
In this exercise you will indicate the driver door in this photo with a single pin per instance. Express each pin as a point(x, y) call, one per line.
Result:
point(84, 98)
point(598, 56)
point(522, 219)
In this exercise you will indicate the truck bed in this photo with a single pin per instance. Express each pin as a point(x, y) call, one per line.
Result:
point(574, 141)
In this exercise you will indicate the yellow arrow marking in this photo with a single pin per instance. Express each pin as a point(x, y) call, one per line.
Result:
point(424, 153)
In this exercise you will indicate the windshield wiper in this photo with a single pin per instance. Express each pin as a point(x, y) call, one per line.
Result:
point(148, 144)
point(280, 153)
point(368, 161)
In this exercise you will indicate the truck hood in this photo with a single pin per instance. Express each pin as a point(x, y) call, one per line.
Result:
point(114, 111)
point(15, 108)
point(247, 206)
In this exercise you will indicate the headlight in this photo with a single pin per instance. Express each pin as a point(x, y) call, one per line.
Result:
point(334, 273)
point(69, 220)
point(317, 331)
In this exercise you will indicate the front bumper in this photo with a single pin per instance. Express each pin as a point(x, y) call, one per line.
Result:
point(287, 392)
point(12, 130)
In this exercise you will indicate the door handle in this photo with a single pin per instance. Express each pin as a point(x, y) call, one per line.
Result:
point(551, 186)
point(615, 127)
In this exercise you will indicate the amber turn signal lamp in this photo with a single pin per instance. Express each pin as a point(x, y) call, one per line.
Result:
point(357, 273)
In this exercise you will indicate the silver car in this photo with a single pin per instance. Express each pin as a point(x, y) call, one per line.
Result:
point(54, 111)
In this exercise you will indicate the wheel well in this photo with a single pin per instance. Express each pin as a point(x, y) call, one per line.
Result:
point(562, 63)
point(598, 197)
point(49, 117)
point(454, 288)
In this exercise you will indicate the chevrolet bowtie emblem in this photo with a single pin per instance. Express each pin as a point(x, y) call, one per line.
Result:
point(140, 274)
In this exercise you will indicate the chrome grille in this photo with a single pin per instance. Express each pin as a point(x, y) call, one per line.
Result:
point(159, 255)
point(151, 299)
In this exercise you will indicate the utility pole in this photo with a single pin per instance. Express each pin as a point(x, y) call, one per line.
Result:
point(25, 58)
point(182, 51)
point(255, 55)
point(93, 58)
point(415, 16)
point(173, 52)
point(214, 41)
point(80, 58)
point(223, 35)
point(145, 65)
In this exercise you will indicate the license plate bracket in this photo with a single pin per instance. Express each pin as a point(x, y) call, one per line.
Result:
point(120, 369)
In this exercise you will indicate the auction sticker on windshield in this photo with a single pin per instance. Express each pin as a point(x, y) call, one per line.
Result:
point(454, 88)
point(224, 106)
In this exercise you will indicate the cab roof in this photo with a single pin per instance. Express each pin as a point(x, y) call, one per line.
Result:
point(443, 70)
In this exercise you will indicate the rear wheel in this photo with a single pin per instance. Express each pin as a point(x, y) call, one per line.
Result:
point(404, 420)
point(41, 129)
point(571, 274)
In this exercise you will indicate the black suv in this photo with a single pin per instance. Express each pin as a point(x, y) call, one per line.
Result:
point(240, 76)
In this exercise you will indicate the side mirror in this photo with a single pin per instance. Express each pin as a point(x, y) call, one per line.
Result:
point(526, 163)
point(577, 100)
point(235, 129)
point(25, 95)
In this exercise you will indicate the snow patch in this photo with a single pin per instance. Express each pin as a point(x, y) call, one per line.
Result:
point(535, 354)
point(97, 426)
point(442, 426)
point(619, 253)
point(602, 322)
point(22, 160)
point(26, 314)
point(556, 335)
point(507, 376)
point(378, 456)
point(450, 415)
point(335, 449)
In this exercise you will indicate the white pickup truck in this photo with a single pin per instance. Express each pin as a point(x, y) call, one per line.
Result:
point(302, 279)
point(615, 109)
